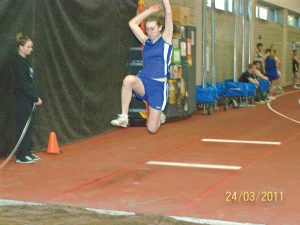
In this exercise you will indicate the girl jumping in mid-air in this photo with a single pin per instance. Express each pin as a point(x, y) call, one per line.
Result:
point(151, 82)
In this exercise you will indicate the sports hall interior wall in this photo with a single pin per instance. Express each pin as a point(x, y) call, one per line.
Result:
point(293, 34)
point(270, 33)
point(81, 51)
point(13, 20)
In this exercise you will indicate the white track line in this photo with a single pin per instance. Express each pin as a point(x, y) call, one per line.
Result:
point(5, 202)
point(111, 212)
point(193, 165)
point(280, 114)
point(210, 222)
point(241, 141)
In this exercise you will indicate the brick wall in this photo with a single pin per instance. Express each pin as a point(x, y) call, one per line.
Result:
point(186, 5)
point(224, 43)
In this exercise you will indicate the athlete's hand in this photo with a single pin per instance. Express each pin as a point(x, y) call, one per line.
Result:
point(155, 8)
point(39, 102)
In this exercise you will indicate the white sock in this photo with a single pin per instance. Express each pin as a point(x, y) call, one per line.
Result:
point(125, 116)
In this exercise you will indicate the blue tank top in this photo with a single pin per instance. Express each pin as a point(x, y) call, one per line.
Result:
point(157, 59)
point(271, 69)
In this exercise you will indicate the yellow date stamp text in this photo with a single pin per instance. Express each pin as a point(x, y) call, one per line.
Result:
point(254, 196)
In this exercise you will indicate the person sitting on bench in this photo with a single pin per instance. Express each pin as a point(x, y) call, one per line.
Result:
point(249, 76)
point(258, 72)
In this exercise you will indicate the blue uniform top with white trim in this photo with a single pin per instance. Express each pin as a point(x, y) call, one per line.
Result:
point(157, 59)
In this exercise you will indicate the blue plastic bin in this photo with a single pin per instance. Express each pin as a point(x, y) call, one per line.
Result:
point(251, 89)
point(236, 89)
point(220, 89)
point(206, 95)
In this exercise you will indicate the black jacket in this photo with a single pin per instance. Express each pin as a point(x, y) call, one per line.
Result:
point(24, 79)
point(245, 77)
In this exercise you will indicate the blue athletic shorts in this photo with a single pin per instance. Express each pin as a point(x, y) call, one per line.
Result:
point(156, 93)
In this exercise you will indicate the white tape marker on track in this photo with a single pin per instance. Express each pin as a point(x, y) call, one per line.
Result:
point(194, 165)
point(241, 141)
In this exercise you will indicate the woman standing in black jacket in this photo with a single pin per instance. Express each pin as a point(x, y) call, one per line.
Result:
point(26, 95)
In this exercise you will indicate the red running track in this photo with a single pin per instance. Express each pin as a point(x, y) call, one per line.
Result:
point(109, 171)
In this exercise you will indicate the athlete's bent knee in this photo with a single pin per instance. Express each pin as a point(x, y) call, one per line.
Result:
point(152, 128)
point(128, 80)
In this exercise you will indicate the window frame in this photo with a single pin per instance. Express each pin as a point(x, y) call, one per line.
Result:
point(228, 6)
point(274, 14)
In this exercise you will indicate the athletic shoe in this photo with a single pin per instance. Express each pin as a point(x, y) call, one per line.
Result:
point(121, 121)
point(162, 118)
point(296, 86)
point(279, 90)
point(271, 98)
point(243, 104)
point(260, 102)
point(26, 159)
point(34, 157)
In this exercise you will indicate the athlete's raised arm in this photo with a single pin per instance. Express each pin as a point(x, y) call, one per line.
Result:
point(135, 22)
point(168, 32)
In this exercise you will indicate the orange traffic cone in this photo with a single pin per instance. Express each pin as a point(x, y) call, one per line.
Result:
point(53, 144)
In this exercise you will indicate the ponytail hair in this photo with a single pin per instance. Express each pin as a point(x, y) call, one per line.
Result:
point(21, 39)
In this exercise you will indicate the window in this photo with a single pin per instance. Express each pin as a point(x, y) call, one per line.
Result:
point(208, 3)
point(262, 12)
point(256, 11)
point(274, 15)
point(270, 13)
point(291, 20)
point(226, 5)
point(220, 4)
point(241, 6)
point(230, 6)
